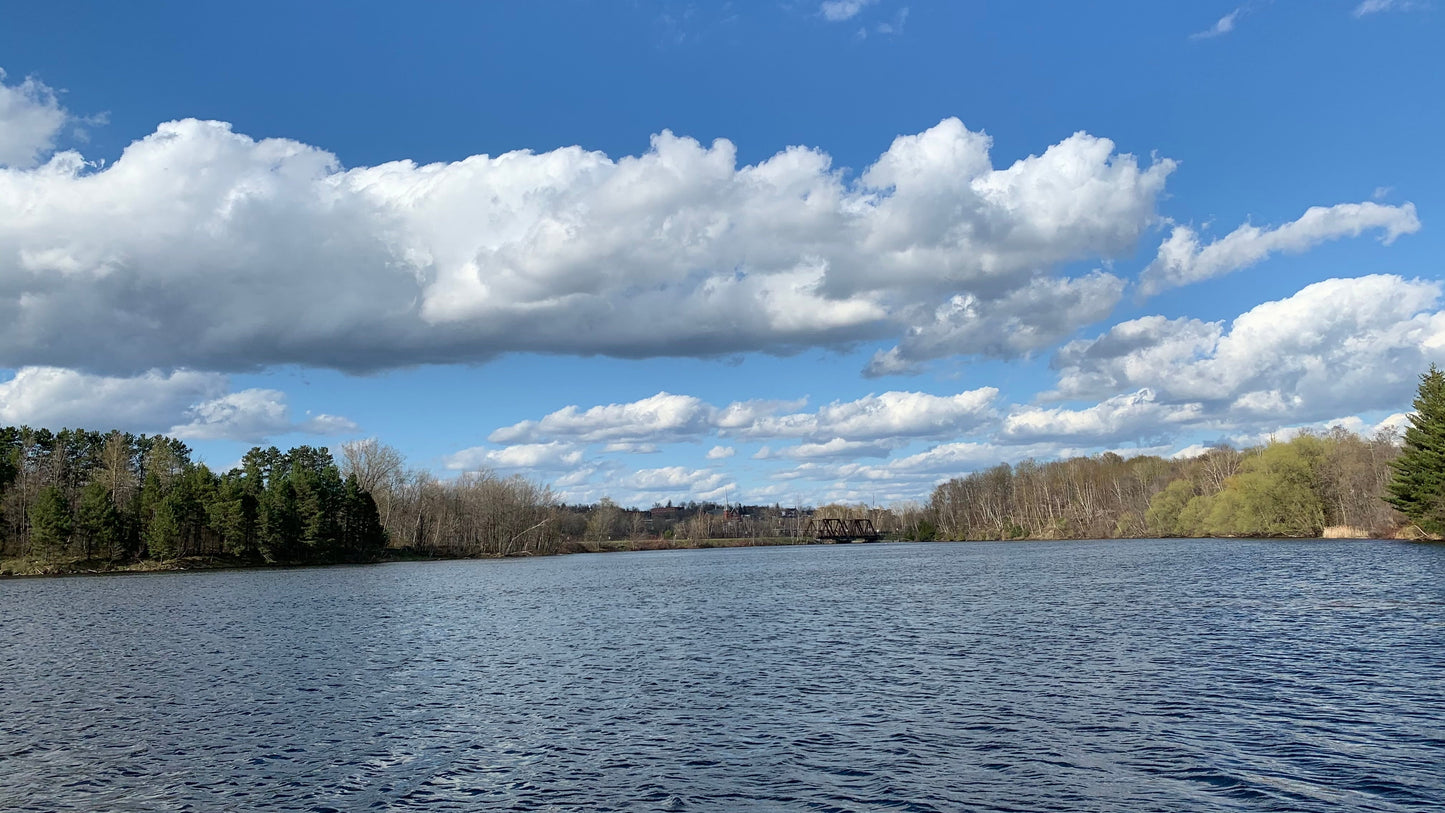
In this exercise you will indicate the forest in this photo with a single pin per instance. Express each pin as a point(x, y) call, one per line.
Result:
point(1298, 488)
point(117, 497)
point(1314, 484)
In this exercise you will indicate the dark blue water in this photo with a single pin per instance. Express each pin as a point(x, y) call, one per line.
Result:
point(1108, 676)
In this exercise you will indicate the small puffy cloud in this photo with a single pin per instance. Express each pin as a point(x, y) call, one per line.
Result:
point(252, 416)
point(183, 403)
point(572, 480)
point(30, 120)
point(1222, 26)
point(658, 418)
point(961, 456)
point(229, 241)
point(1191, 451)
point(720, 452)
point(675, 479)
point(890, 415)
point(835, 448)
point(1124, 417)
point(553, 456)
point(631, 447)
point(836, 11)
point(1395, 424)
point(1182, 260)
point(324, 424)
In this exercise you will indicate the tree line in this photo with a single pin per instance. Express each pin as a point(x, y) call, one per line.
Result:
point(119, 497)
point(78, 494)
point(1296, 488)
point(1336, 483)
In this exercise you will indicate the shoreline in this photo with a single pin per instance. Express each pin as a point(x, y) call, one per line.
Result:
point(26, 568)
point(32, 568)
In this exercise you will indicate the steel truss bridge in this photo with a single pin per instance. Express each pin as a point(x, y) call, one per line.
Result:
point(842, 530)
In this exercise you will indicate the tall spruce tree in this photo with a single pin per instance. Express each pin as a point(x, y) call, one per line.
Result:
point(50, 523)
point(97, 522)
point(1418, 485)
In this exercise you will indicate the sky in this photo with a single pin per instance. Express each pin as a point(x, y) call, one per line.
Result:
point(766, 252)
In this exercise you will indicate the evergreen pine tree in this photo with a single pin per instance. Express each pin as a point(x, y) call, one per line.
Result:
point(1418, 486)
point(363, 538)
point(280, 525)
point(50, 522)
point(163, 534)
point(98, 523)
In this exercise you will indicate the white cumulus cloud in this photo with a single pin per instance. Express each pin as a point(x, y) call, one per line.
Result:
point(53, 397)
point(675, 479)
point(554, 456)
point(835, 448)
point(1337, 347)
point(252, 416)
point(1131, 417)
point(30, 120)
point(185, 404)
point(666, 417)
point(229, 243)
point(890, 415)
point(1183, 260)
point(658, 418)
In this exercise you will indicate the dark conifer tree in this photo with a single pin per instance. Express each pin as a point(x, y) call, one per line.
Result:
point(163, 533)
point(363, 538)
point(98, 523)
point(50, 523)
point(232, 516)
point(1418, 486)
point(280, 532)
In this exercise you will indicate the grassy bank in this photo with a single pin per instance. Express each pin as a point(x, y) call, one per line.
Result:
point(34, 566)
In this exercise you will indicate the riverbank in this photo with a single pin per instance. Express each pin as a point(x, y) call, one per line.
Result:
point(33, 566)
point(30, 566)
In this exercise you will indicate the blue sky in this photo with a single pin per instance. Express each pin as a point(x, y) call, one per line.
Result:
point(772, 251)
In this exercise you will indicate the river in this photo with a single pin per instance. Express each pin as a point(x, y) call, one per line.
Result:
point(1036, 676)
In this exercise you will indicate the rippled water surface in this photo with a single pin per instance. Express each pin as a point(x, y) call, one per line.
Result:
point(1108, 676)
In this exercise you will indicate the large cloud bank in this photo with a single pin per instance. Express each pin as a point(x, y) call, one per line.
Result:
point(203, 248)
point(206, 249)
